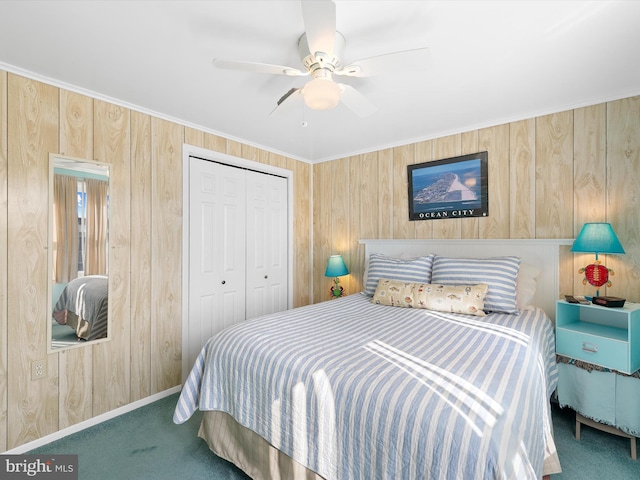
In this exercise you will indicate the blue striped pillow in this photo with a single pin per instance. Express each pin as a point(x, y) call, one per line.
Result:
point(500, 273)
point(416, 269)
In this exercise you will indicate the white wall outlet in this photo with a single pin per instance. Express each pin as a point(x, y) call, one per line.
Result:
point(38, 369)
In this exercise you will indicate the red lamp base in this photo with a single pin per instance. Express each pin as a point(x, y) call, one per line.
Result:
point(596, 274)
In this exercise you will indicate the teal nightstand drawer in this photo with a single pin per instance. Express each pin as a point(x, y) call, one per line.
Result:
point(606, 352)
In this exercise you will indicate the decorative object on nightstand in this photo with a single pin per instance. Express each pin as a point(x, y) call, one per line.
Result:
point(611, 302)
point(336, 268)
point(597, 237)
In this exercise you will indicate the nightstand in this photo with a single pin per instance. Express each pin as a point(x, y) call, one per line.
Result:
point(609, 338)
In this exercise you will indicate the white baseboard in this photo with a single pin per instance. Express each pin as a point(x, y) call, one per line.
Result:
point(92, 421)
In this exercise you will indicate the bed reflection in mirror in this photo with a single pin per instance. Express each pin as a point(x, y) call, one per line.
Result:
point(78, 252)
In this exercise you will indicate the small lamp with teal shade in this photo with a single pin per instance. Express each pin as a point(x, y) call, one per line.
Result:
point(336, 268)
point(597, 237)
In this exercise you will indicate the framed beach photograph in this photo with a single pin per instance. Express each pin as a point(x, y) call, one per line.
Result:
point(450, 188)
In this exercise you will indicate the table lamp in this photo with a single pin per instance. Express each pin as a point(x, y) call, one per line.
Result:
point(597, 237)
point(336, 268)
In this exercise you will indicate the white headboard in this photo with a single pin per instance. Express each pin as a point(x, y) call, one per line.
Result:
point(546, 254)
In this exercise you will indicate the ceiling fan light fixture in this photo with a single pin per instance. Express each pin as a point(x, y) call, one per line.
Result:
point(321, 94)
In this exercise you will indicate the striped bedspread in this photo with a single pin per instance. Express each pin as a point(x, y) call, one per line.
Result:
point(354, 390)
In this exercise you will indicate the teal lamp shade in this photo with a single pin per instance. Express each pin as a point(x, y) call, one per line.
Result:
point(597, 238)
point(336, 267)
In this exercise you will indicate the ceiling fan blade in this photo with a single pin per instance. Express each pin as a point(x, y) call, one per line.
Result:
point(291, 94)
point(416, 59)
point(259, 67)
point(356, 102)
point(319, 18)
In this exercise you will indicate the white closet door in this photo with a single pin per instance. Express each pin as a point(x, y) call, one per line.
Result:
point(267, 257)
point(217, 232)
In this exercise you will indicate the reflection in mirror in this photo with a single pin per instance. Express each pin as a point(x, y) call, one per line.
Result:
point(78, 252)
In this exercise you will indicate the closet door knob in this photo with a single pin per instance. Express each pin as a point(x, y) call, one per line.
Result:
point(266, 276)
point(224, 281)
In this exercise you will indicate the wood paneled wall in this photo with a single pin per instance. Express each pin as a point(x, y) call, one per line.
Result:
point(547, 176)
point(143, 356)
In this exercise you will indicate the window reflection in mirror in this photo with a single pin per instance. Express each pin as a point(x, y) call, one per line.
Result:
point(78, 252)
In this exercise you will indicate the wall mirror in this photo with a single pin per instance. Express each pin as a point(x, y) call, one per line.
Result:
point(78, 310)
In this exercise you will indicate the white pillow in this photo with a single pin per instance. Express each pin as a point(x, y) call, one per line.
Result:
point(526, 285)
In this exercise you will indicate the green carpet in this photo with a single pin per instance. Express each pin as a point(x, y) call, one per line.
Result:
point(598, 455)
point(146, 444)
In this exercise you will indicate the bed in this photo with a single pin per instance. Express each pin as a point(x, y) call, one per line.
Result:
point(84, 305)
point(363, 387)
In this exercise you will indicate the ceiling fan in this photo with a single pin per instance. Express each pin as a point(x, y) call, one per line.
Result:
point(321, 48)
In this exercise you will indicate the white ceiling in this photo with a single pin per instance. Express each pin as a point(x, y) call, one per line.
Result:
point(491, 62)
